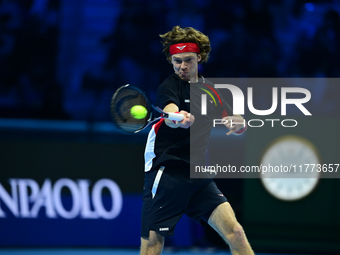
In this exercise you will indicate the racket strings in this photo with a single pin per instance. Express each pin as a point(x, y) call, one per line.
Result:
point(122, 102)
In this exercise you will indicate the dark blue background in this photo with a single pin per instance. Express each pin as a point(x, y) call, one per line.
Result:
point(64, 59)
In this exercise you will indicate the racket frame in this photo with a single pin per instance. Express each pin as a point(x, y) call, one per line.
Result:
point(150, 120)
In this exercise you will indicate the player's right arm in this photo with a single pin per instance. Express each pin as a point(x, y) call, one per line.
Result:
point(185, 123)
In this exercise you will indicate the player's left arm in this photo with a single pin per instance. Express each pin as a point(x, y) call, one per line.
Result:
point(236, 124)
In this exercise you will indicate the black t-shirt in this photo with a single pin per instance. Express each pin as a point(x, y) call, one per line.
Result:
point(175, 145)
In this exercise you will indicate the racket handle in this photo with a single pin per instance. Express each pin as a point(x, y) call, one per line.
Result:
point(174, 116)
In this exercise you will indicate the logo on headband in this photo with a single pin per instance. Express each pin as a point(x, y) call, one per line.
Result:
point(181, 48)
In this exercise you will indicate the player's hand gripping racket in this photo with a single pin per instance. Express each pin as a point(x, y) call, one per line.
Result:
point(131, 110)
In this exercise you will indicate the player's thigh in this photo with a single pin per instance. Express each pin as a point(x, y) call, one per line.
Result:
point(223, 219)
point(205, 201)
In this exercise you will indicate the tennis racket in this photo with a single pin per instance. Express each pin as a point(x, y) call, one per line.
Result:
point(124, 99)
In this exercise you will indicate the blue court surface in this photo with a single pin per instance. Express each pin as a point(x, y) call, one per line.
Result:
point(113, 251)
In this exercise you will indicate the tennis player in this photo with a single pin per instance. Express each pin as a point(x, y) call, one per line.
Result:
point(169, 192)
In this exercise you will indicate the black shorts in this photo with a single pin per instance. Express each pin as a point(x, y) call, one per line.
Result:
point(169, 193)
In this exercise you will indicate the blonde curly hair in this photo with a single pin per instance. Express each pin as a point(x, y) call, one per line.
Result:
point(188, 34)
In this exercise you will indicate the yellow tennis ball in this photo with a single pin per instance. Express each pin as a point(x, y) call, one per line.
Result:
point(138, 112)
